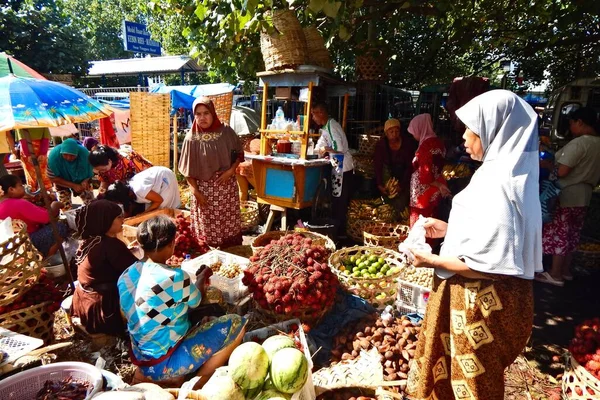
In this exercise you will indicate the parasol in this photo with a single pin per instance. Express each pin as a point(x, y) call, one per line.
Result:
point(16, 67)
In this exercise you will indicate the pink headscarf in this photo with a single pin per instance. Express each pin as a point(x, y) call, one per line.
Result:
point(421, 127)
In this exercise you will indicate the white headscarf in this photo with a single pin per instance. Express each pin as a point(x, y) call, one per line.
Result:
point(495, 224)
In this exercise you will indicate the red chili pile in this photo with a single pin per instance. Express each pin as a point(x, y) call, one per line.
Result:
point(290, 276)
point(185, 242)
point(585, 346)
point(44, 290)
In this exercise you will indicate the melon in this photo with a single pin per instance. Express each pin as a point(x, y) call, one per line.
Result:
point(273, 395)
point(289, 370)
point(276, 343)
point(222, 388)
point(268, 385)
point(252, 393)
point(249, 365)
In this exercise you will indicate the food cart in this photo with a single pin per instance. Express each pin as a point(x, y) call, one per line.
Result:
point(285, 180)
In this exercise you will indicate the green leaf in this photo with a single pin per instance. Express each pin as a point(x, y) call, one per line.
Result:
point(317, 5)
point(200, 12)
point(331, 9)
point(344, 33)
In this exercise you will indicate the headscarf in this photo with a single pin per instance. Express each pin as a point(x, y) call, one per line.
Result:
point(391, 123)
point(74, 171)
point(208, 103)
point(89, 143)
point(93, 221)
point(495, 224)
point(421, 127)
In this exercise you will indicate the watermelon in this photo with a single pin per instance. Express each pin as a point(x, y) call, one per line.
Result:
point(222, 388)
point(249, 365)
point(289, 370)
point(268, 385)
point(277, 342)
point(273, 395)
point(252, 393)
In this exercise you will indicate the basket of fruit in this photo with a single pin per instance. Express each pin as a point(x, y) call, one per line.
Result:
point(21, 264)
point(362, 213)
point(385, 234)
point(581, 380)
point(290, 278)
point(318, 239)
point(369, 272)
point(250, 215)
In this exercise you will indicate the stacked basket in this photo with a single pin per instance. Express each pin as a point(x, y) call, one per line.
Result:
point(250, 215)
point(366, 212)
point(316, 51)
point(385, 234)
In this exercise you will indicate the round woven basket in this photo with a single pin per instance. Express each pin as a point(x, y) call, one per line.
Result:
point(577, 379)
point(250, 215)
point(21, 264)
point(377, 291)
point(261, 241)
point(368, 141)
point(285, 48)
point(307, 316)
point(385, 234)
point(371, 67)
point(316, 51)
point(33, 321)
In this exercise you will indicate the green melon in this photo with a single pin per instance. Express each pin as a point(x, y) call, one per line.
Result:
point(289, 370)
point(222, 388)
point(249, 365)
point(268, 385)
point(275, 343)
point(273, 395)
point(252, 393)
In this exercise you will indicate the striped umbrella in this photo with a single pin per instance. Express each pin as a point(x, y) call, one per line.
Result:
point(17, 67)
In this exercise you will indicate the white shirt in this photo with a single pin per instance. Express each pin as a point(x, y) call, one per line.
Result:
point(333, 136)
point(157, 179)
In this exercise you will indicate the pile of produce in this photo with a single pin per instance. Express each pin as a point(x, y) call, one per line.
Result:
point(44, 290)
point(185, 242)
point(374, 210)
point(66, 389)
point(290, 277)
point(367, 266)
point(273, 371)
point(395, 339)
point(455, 171)
point(418, 276)
point(293, 333)
point(229, 271)
point(585, 346)
point(392, 186)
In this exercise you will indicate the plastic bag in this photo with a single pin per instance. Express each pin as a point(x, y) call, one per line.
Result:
point(415, 240)
point(6, 230)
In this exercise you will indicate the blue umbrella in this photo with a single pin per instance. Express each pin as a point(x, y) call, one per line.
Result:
point(31, 103)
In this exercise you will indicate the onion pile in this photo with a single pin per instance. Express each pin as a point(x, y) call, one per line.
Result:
point(290, 276)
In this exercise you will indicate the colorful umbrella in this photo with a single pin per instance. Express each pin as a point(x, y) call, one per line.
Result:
point(30, 103)
point(18, 68)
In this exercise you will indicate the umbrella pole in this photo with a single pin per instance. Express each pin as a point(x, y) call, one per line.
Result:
point(48, 202)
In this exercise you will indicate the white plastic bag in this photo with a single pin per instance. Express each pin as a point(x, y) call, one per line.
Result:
point(415, 240)
point(6, 230)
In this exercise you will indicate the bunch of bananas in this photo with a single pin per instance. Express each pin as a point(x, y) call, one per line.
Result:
point(452, 171)
point(392, 187)
point(404, 215)
point(372, 210)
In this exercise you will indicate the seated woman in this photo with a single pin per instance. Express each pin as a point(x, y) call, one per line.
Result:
point(113, 165)
point(155, 187)
point(70, 171)
point(166, 342)
point(101, 259)
point(13, 205)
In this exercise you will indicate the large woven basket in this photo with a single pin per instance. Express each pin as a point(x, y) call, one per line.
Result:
point(151, 126)
point(368, 141)
point(577, 379)
point(370, 65)
point(317, 53)
point(261, 241)
point(285, 48)
point(355, 228)
point(223, 103)
point(250, 215)
point(377, 291)
point(384, 234)
point(21, 264)
point(33, 321)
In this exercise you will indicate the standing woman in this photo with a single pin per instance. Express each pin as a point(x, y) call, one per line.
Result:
point(480, 310)
point(210, 155)
point(113, 165)
point(40, 142)
point(70, 171)
point(427, 184)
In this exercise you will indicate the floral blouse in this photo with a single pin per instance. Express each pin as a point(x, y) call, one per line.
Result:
point(427, 168)
point(129, 164)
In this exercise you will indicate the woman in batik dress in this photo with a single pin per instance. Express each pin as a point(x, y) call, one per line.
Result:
point(210, 155)
point(480, 311)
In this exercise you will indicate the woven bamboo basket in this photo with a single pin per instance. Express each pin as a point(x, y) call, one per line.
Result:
point(316, 51)
point(151, 126)
point(384, 234)
point(261, 241)
point(365, 371)
point(356, 227)
point(368, 141)
point(21, 264)
point(250, 215)
point(577, 379)
point(373, 209)
point(223, 103)
point(305, 315)
point(33, 321)
point(370, 65)
point(285, 48)
point(377, 291)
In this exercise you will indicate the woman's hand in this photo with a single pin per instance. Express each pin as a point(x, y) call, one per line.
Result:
point(200, 198)
point(422, 259)
point(382, 190)
point(435, 228)
point(203, 279)
point(85, 184)
point(225, 176)
point(78, 188)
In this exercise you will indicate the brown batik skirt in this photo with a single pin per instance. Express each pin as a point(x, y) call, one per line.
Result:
point(473, 330)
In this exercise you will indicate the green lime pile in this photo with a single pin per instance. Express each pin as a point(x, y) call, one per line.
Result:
point(367, 266)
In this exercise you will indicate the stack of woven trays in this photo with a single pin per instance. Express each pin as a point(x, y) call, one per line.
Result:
point(385, 234)
point(19, 271)
point(365, 212)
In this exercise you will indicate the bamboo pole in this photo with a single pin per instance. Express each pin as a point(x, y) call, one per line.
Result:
point(175, 148)
point(47, 203)
point(263, 120)
point(346, 97)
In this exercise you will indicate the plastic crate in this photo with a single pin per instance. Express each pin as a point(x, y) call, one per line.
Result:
point(413, 295)
point(25, 385)
point(232, 289)
point(405, 309)
point(15, 345)
point(308, 390)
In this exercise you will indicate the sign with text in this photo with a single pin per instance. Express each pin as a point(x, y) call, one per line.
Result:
point(136, 38)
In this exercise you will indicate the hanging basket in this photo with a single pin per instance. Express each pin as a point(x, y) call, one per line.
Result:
point(285, 48)
point(21, 264)
point(317, 53)
point(386, 235)
point(370, 65)
point(250, 215)
point(34, 321)
point(576, 380)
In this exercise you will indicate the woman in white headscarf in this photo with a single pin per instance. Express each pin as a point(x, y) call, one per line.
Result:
point(480, 311)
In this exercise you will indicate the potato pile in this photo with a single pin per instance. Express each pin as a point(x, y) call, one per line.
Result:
point(395, 340)
point(418, 276)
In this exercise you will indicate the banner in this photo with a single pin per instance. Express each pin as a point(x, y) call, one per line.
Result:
point(122, 125)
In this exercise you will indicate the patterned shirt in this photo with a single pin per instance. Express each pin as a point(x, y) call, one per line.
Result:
point(129, 164)
point(156, 299)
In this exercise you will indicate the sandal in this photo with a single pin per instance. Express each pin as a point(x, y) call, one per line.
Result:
point(545, 277)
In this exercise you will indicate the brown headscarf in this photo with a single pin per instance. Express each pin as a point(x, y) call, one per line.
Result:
point(208, 103)
point(93, 221)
